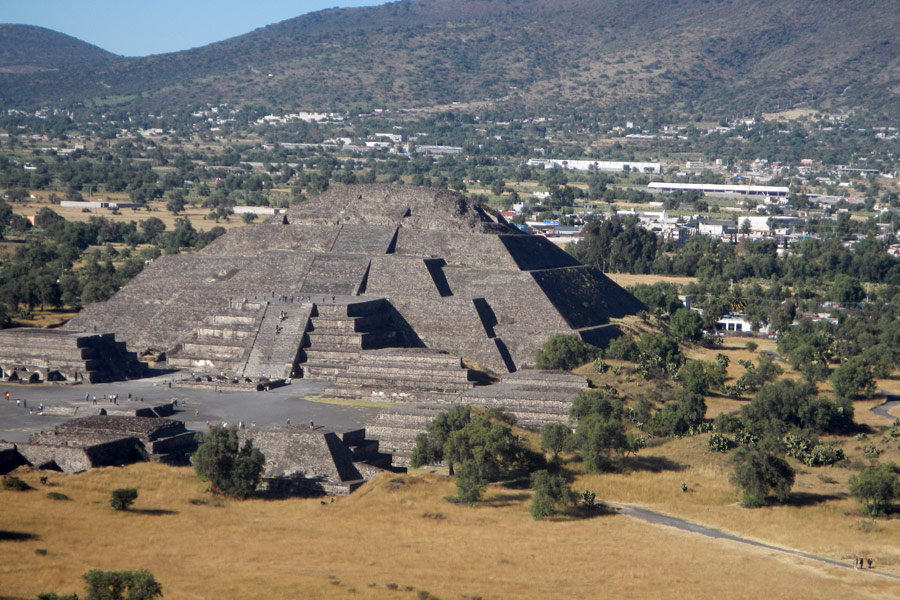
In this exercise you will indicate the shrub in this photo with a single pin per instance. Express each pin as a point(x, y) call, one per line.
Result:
point(687, 325)
point(57, 496)
point(719, 443)
point(758, 473)
point(564, 352)
point(725, 423)
point(823, 455)
point(121, 585)
point(550, 491)
point(876, 489)
point(123, 498)
point(15, 484)
point(622, 348)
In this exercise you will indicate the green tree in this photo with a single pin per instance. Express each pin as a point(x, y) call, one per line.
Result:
point(121, 585)
point(846, 288)
point(175, 203)
point(784, 405)
point(123, 498)
point(876, 489)
point(550, 492)
point(687, 325)
point(555, 437)
point(470, 483)
point(152, 227)
point(429, 448)
point(230, 467)
point(659, 354)
point(596, 438)
point(851, 377)
point(759, 473)
point(699, 377)
point(564, 352)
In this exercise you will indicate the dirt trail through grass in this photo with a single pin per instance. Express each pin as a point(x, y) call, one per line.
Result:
point(661, 519)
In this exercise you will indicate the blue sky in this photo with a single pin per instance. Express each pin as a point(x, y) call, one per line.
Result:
point(142, 27)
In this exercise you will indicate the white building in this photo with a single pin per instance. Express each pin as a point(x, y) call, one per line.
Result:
point(600, 165)
point(716, 188)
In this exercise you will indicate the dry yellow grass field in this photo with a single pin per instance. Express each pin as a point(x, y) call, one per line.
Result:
point(627, 279)
point(158, 209)
point(397, 537)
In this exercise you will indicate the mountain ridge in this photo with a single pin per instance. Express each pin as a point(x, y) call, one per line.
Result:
point(714, 56)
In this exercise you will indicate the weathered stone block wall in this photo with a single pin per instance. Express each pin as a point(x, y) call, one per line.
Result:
point(292, 452)
point(364, 239)
point(457, 248)
point(10, 458)
point(76, 458)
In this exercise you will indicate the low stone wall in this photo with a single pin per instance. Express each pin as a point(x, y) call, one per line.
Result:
point(70, 457)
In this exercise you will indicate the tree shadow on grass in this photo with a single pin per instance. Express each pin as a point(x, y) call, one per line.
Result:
point(801, 499)
point(584, 511)
point(17, 536)
point(505, 500)
point(654, 464)
point(154, 512)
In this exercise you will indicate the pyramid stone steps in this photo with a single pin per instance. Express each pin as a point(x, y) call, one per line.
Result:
point(321, 371)
point(402, 374)
point(362, 340)
point(340, 331)
point(354, 324)
point(331, 355)
point(212, 348)
point(276, 347)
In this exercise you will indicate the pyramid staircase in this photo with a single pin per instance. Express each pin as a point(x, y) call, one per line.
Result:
point(339, 332)
point(222, 343)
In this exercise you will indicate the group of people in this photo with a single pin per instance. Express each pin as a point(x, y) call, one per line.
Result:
point(862, 563)
point(23, 403)
point(110, 398)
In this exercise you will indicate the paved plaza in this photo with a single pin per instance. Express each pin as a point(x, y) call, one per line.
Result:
point(19, 414)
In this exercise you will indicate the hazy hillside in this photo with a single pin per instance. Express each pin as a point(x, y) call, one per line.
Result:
point(714, 56)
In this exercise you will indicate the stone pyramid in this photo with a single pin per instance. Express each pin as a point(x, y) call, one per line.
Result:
point(370, 266)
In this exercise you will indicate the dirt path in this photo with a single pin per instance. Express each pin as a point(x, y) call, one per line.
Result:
point(661, 519)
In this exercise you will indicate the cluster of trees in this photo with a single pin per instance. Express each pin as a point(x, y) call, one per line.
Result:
point(115, 585)
point(42, 271)
point(475, 448)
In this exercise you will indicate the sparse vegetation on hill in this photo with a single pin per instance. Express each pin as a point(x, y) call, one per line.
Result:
point(693, 55)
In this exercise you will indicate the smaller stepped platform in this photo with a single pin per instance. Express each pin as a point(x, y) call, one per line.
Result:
point(534, 397)
point(307, 461)
point(30, 355)
point(396, 428)
point(403, 375)
point(96, 441)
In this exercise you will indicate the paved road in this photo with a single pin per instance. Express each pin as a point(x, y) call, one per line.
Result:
point(890, 403)
point(661, 519)
point(263, 408)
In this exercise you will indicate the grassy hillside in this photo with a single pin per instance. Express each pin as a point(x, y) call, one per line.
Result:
point(398, 538)
point(529, 56)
